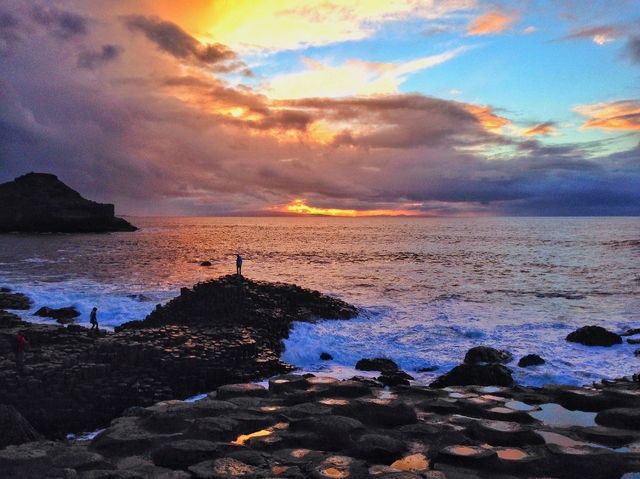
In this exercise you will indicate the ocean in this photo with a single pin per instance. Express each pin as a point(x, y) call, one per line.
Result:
point(429, 289)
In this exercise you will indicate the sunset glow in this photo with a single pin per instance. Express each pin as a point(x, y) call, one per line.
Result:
point(299, 206)
point(461, 107)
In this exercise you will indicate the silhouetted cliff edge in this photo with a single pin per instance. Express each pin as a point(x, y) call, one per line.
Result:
point(40, 202)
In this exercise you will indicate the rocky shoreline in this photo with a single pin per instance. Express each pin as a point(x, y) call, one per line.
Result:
point(472, 422)
point(222, 331)
point(318, 427)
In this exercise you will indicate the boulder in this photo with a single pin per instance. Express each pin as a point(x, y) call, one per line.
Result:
point(15, 428)
point(40, 202)
point(485, 354)
point(63, 315)
point(623, 418)
point(325, 356)
point(395, 378)
point(205, 263)
point(376, 364)
point(594, 336)
point(478, 374)
point(10, 300)
point(530, 360)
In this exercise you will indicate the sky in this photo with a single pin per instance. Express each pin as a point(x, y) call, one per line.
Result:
point(327, 107)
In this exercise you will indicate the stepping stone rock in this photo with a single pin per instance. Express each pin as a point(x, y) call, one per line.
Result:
point(222, 468)
point(382, 412)
point(469, 456)
point(287, 382)
point(622, 418)
point(379, 448)
point(504, 433)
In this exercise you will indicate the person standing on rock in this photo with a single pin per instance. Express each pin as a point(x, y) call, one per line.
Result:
point(93, 319)
point(20, 344)
point(239, 265)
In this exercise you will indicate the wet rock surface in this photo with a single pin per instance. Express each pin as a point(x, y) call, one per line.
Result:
point(223, 331)
point(530, 360)
point(61, 314)
point(486, 354)
point(481, 374)
point(305, 427)
point(594, 336)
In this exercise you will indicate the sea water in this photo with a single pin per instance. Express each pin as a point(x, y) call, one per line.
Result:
point(429, 289)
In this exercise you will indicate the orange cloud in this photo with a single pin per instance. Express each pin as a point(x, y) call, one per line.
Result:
point(545, 128)
point(291, 24)
point(616, 115)
point(487, 118)
point(299, 206)
point(490, 23)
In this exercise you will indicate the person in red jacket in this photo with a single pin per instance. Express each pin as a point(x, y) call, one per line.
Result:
point(20, 345)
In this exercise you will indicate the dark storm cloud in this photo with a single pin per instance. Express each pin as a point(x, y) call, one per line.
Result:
point(61, 23)
point(172, 39)
point(95, 58)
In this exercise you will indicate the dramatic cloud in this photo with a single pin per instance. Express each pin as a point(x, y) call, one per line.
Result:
point(94, 59)
point(150, 123)
point(491, 23)
point(546, 128)
point(170, 38)
point(354, 77)
point(615, 115)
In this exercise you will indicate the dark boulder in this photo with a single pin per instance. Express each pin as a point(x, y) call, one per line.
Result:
point(376, 364)
point(485, 354)
point(395, 378)
point(205, 263)
point(15, 428)
point(594, 336)
point(530, 360)
point(478, 374)
point(40, 202)
point(63, 315)
point(10, 300)
point(623, 418)
point(325, 356)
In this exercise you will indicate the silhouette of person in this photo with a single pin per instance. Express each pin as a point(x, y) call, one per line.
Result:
point(93, 319)
point(20, 344)
point(239, 265)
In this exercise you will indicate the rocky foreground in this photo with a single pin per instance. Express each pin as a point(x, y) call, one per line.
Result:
point(222, 331)
point(318, 427)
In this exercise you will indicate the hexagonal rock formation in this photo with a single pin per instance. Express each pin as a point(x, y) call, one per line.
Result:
point(306, 427)
point(228, 330)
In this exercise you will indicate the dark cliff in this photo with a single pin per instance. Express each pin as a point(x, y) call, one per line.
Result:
point(40, 202)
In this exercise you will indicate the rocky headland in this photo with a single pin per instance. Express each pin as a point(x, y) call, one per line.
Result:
point(40, 202)
point(472, 422)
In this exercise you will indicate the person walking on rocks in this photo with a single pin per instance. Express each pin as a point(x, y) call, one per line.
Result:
point(93, 319)
point(20, 344)
point(239, 265)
